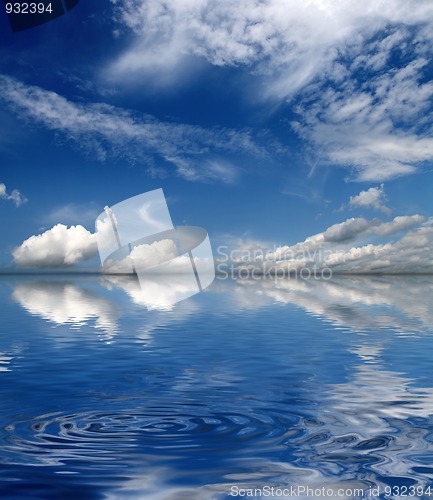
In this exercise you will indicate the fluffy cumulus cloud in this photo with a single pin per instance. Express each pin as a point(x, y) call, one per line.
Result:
point(357, 245)
point(399, 223)
point(59, 247)
point(107, 130)
point(15, 196)
point(358, 73)
point(156, 253)
point(347, 230)
point(142, 257)
point(373, 198)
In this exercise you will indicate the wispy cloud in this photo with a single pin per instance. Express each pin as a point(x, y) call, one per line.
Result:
point(14, 196)
point(291, 35)
point(107, 130)
point(358, 72)
point(74, 213)
point(291, 42)
point(376, 121)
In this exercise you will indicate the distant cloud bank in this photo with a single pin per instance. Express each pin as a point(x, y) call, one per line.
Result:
point(357, 245)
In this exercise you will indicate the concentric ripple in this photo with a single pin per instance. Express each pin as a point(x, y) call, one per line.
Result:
point(55, 438)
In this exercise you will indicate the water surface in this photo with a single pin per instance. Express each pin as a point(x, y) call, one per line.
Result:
point(248, 385)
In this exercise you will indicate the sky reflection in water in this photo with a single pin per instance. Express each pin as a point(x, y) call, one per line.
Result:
point(319, 383)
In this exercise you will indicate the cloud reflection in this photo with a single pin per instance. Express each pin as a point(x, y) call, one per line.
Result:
point(359, 425)
point(359, 303)
point(101, 304)
point(156, 294)
point(372, 414)
point(67, 302)
point(401, 303)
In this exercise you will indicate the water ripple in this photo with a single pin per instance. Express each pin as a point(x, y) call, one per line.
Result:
point(103, 436)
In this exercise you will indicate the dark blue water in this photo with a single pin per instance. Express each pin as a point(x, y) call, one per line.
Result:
point(249, 385)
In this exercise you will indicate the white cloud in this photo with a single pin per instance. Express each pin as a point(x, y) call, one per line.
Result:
point(60, 246)
point(345, 258)
point(142, 257)
point(377, 124)
point(151, 255)
point(399, 223)
point(108, 130)
point(14, 196)
point(348, 247)
point(347, 230)
point(374, 198)
point(353, 228)
point(359, 72)
point(294, 41)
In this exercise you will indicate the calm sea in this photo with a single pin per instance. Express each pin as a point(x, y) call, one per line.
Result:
point(292, 388)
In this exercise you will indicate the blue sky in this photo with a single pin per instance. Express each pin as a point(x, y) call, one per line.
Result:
point(264, 122)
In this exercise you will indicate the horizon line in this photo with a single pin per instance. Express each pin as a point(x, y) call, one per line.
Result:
point(98, 273)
